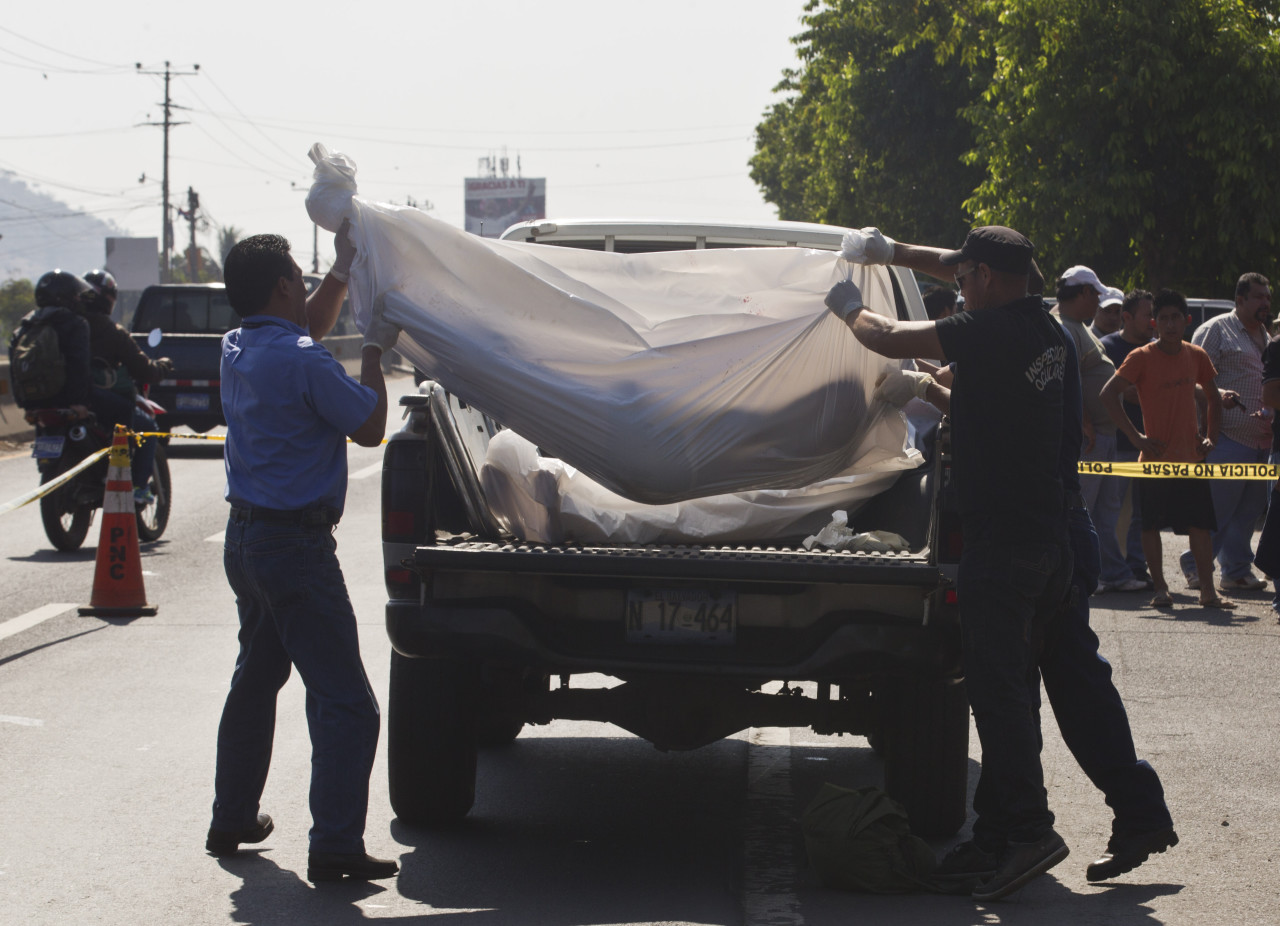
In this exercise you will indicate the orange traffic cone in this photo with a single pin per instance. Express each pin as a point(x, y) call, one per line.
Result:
point(117, 576)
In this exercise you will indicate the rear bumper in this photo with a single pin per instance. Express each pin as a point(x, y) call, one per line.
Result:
point(840, 646)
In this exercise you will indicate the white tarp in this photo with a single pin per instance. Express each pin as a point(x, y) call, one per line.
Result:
point(660, 377)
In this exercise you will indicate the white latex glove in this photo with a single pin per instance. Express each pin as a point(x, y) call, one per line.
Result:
point(844, 299)
point(381, 333)
point(867, 246)
point(346, 253)
point(898, 387)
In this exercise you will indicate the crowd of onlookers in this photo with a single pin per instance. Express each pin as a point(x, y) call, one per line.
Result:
point(1151, 394)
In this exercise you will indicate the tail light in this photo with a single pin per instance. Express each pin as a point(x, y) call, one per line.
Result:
point(406, 511)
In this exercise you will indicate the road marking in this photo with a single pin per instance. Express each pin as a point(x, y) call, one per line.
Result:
point(21, 721)
point(219, 537)
point(371, 470)
point(768, 851)
point(31, 618)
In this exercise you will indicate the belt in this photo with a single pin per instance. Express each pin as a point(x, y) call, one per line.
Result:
point(315, 516)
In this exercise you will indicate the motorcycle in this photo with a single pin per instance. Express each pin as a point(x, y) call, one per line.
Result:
point(64, 441)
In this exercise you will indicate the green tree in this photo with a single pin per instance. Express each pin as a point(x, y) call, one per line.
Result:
point(17, 298)
point(1136, 136)
point(180, 268)
point(856, 142)
point(228, 235)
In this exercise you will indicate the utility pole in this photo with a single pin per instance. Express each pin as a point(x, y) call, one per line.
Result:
point(193, 254)
point(166, 227)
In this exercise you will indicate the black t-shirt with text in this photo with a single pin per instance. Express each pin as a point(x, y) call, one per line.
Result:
point(1271, 370)
point(1007, 420)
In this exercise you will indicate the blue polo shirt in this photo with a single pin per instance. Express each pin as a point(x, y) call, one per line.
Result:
point(289, 407)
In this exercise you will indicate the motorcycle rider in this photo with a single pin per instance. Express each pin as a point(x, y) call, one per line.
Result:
point(59, 289)
point(119, 367)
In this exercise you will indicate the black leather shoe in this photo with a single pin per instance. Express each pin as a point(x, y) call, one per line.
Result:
point(333, 866)
point(227, 842)
point(1127, 852)
point(1020, 862)
point(964, 868)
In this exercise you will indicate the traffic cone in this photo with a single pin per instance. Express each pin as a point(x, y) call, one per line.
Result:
point(117, 576)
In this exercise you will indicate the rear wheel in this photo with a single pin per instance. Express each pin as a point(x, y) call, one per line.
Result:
point(154, 517)
point(924, 730)
point(431, 739)
point(66, 520)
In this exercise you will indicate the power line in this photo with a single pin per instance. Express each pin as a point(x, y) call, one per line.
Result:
point(215, 86)
point(28, 176)
point(59, 51)
point(435, 146)
point(327, 126)
point(47, 69)
point(242, 140)
point(66, 134)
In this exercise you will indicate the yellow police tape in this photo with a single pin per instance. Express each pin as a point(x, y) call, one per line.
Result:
point(1182, 470)
point(1259, 471)
point(46, 487)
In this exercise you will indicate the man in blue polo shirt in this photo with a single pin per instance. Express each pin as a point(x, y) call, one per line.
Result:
point(290, 407)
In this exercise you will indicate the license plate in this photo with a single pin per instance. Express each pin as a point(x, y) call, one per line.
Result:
point(663, 615)
point(192, 402)
point(48, 447)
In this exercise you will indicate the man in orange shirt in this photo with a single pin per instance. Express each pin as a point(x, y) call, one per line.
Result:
point(1165, 373)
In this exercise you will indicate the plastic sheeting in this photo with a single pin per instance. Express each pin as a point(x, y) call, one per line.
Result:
point(659, 377)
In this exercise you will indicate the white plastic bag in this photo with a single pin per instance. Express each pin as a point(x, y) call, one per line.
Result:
point(662, 377)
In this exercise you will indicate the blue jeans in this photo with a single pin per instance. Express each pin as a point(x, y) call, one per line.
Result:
point(1134, 557)
point(1103, 496)
point(294, 610)
point(1237, 503)
point(112, 408)
point(1009, 593)
point(1088, 708)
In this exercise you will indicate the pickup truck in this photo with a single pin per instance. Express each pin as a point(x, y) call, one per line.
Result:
point(488, 631)
point(191, 319)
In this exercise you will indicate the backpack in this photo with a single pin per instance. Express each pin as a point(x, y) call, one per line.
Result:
point(37, 367)
point(860, 840)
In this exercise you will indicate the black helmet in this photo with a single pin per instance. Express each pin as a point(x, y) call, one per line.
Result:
point(60, 287)
point(105, 290)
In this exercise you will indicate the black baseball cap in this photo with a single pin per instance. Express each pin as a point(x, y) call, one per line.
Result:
point(1000, 248)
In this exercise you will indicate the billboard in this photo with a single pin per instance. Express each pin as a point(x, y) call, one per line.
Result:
point(134, 262)
point(494, 204)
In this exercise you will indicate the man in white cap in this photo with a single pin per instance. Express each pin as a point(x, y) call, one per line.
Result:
point(1079, 293)
point(1108, 320)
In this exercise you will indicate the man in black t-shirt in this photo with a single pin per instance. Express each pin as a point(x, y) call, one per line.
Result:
point(1007, 429)
point(1267, 556)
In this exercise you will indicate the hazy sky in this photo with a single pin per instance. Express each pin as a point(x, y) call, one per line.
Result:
point(635, 109)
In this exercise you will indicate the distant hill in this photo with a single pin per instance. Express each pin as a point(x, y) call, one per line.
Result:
point(41, 233)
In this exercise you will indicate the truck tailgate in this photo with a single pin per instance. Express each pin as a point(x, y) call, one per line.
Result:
point(720, 564)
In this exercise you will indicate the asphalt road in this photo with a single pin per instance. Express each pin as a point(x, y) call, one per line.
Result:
point(107, 745)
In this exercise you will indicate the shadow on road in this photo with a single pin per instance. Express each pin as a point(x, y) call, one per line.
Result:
point(69, 637)
point(270, 895)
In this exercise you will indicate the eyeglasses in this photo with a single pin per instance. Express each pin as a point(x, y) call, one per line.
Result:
point(960, 276)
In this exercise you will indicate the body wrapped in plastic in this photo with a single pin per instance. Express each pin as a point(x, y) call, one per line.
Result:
point(657, 378)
